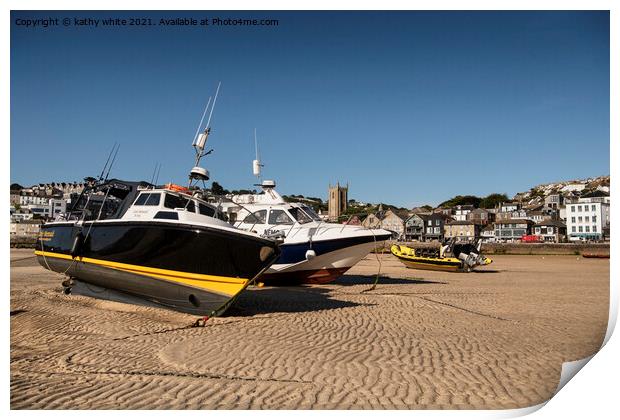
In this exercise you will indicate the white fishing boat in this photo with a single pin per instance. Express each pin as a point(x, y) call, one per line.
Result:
point(312, 251)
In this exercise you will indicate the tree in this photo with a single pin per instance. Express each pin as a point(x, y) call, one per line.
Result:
point(461, 200)
point(492, 200)
point(217, 189)
point(16, 187)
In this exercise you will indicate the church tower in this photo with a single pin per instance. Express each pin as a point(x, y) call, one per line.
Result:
point(337, 201)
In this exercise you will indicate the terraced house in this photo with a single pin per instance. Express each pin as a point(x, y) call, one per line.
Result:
point(461, 230)
point(511, 230)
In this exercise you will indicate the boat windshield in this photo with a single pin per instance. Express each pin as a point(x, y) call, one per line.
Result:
point(299, 215)
point(310, 212)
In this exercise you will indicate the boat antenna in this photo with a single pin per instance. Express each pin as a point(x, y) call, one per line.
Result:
point(256, 165)
point(106, 162)
point(157, 176)
point(155, 170)
point(200, 142)
point(112, 163)
point(200, 123)
point(217, 91)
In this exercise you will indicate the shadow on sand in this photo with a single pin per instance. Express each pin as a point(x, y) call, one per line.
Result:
point(255, 301)
point(486, 271)
point(352, 280)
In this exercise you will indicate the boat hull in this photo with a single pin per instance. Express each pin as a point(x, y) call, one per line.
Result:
point(407, 256)
point(323, 268)
point(425, 264)
point(193, 269)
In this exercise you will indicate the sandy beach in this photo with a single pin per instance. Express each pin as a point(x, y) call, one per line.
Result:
point(495, 338)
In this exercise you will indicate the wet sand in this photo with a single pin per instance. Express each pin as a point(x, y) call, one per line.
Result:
point(495, 338)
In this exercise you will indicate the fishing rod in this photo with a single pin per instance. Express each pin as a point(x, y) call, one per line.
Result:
point(112, 163)
point(106, 163)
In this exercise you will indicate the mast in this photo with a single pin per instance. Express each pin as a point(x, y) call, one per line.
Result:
point(256, 165)
point(200, 141)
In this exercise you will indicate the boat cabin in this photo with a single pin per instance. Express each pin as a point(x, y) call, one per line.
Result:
point(114, 200)
point(270, 219)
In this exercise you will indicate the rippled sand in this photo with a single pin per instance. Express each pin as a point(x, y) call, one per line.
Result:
point(421, 339)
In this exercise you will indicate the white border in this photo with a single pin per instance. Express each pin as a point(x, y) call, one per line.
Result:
point(593, 393)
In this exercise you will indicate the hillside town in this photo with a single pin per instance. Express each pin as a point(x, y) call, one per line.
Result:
point(557, 212)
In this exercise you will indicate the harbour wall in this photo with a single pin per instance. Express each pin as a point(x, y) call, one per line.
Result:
point(518, 248)
point(545, 248)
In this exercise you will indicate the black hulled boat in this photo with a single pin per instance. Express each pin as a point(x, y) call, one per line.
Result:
point(133, 241)
point(164, 245)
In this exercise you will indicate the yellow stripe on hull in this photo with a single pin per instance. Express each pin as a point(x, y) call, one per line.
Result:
point(224, 285)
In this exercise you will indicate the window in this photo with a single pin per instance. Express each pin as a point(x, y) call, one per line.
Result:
point(258, 217)
point(580, 219)
point(206, 210)
point(299, 215)
point(580, 228)
point(573, 219)
point(430, 223)
point(148, 199)
point(587, 228)
point(587, 218)
point(279, 217)
point(593, 219)
point(174, 201)
point(437, 222)
point(594, 228)
point(579, 208)
point(572, 208)
point(574, 229)
point(549, 231)
point(586, 207)
point(310, 212)
point(436, 230)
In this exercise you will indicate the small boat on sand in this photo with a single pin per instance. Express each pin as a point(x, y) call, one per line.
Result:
point(450, 257)
point(594, 255)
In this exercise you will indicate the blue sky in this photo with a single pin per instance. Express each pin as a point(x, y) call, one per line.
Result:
point(408, 107)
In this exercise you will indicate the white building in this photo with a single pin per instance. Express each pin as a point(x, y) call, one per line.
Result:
point(461, 212)
point(56, 206)
point(20, 217)
point(37, 200)
point(588, 218)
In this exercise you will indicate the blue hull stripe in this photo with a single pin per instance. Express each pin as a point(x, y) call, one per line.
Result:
point(294, 253)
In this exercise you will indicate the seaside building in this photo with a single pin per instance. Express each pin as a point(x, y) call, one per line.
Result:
point(371, 221)
point(394, 223)
point(588, 219)
point(538, 216)
point(487, 233)
point(386, 219)
point(461, 211)
point(414, 227)
point(337, 201)
point(510, 210)
point(554, 201)
point(481, 217)
point(462, 230)
point(550, 231)
point(434, 226)
point(25, 228)
point(511, 230)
